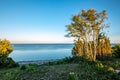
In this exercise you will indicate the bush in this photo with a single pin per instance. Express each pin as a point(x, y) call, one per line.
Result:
point(23, 67)
point(8, 63)
point(104, 57)
point(11, 63)
point(110, 69)
point(116, 50)
point(72, 76)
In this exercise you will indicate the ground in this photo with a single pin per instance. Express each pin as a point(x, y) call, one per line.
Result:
point(82, 70)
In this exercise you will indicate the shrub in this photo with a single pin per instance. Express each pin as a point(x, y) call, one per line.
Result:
point(11, 63)
point(110, 69)
point(104, 57)
point(23, 67)
point(72, 76)
point(8, 63)
point(99, 66)
point(116, 50)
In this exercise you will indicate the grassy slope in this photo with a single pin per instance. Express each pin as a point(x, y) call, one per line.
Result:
point(83, 70)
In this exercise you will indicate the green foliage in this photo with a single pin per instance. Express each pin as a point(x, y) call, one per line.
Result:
point(100, 65)
point(104, 57)
point(7, 62)
point(72, 76)
point(23, 67)
point(116, 50)
point(61, 61)
point(82, 70)
point(68, 60)
point(98, 70)
point(111, 69)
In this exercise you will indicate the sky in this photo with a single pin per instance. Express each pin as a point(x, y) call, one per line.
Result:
point(44, 21)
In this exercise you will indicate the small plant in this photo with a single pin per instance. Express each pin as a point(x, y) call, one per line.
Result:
point(100, 65)
point(31, 67)
point(72, 76)
point(110, 69)
point(100, 68)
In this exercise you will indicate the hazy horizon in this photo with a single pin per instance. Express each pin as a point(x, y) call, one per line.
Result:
point(49, 43)
point(40, 43)
point(44, 21)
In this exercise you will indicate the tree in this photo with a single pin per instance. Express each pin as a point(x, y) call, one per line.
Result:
point(86, 28)
point(77, 49)
point(5, 48)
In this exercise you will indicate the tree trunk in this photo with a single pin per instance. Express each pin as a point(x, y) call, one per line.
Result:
point(91, 51)
point(95, 45)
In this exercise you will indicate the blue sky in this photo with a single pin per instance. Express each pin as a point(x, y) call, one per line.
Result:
point(44, 21)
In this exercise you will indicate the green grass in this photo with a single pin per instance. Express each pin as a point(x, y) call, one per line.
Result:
point(61, 70)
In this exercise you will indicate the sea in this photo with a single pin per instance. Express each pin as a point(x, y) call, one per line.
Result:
point(35, 52)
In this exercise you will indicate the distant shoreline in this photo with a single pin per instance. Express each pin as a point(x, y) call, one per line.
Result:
point(53, 43)
point(38, 62)
point(42, 43)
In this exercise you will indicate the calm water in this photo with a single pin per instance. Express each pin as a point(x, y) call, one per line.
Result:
point(31, 52)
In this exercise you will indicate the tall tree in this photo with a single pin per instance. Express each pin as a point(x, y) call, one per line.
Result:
point(86, 27)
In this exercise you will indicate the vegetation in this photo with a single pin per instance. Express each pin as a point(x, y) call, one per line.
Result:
point(72, 76)
point(5, 50)
point(90, 44)
point(82, 70)
point(87, 29)
point(116, 50)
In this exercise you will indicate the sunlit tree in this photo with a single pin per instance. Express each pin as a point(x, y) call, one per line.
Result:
point(78, 49)
point(86, 28)
point(5, 48)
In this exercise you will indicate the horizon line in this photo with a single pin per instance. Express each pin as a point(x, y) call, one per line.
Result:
point(43, 43)
point(51, 43)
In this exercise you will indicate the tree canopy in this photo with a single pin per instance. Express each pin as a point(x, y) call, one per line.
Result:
point(5, 48)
